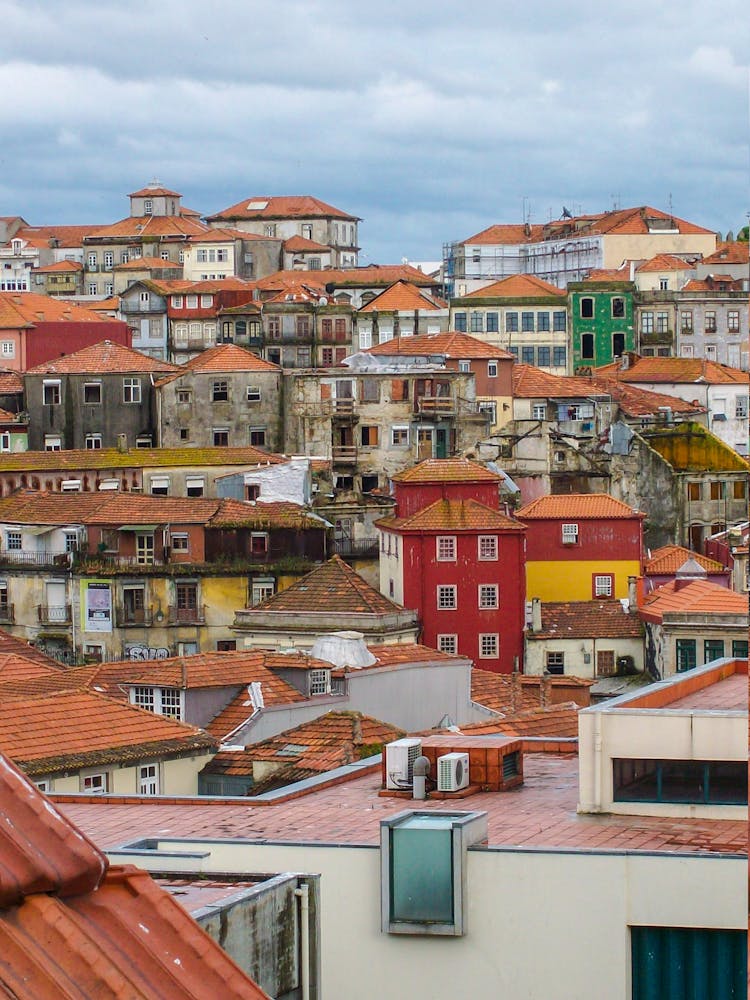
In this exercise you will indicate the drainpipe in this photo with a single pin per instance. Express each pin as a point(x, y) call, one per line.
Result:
point(303, 894)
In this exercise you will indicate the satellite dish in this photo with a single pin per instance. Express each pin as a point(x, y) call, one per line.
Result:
point(323, 301)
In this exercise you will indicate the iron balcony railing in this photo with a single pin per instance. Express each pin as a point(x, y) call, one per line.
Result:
point(54, 614)
point(134, 616)
point(187, 616)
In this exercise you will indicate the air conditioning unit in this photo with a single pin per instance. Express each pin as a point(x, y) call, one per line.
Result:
point(399, 762)
point(453, 772)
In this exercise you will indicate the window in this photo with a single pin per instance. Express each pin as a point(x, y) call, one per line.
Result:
point(143, 697)
point(488, 596)
point(459, 322)
point(5, 441)
point(527, 322)
point(710, 324)
point(303, 357)
point(445, 548)
point(319, 681)
point(8, 349)
point(559, 321)
point(191, 302)
point(270, 229)
point(258, 437)
point(605, 662)
point(740, 407)
point(647, 322)
point(733, 321)
point(618, 307)
point(713, 649)
point(220, 391)
point(124, 257)
point(195, 486)
point(511, 322)
point(587, 347)
point(253, 394)
point(92, 261)
point(587, 308)
point(685, 654)
point(716, 490)
point(477, 322)
point(93, 441)
point(682, 962)
point(539, 411)
point(542, 321)
point(220, 437)
point(180, 541)
point(555, 662)
point(662, 322)
point(148, 779)
point(258, 543)
point(739, 491)
point(94, 784)
point(543, 356)
point(71, 541)
point(701, 782)
point(487, 547)
point(527, 354)
point(694, 491)
point(51, 393)
point(177, 301)
point(492, 322)
point(400, 437)
point(92, 288)
point(686, 322)
point(559, 357)
point(144, 549)
point(447, 643)
point(131, 390)
point(13, 541)
point(569, 534)
point(489, 409)
point(261, 588)
point(52, 442)
point(492, 369)
point(489, 644)
point(447, 598)
point(369, 436)
point(604, 585)
point(184, 395)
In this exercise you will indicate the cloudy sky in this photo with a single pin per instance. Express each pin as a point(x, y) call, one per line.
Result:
point(428, 120)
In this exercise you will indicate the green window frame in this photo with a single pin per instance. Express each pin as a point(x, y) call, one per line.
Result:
point(674, 963)
point(686, 655)
point(713, 649)
point(692, 782)
point(739, 648)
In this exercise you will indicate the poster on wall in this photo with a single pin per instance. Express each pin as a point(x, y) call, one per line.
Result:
point(97, 606)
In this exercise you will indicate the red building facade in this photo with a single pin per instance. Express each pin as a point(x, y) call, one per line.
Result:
point(452, 554)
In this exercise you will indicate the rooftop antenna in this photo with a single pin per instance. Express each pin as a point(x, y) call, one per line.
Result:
point(671, 213)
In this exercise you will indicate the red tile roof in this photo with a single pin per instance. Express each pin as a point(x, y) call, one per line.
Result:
point(138, 458)
point(675, 371)
point(714, 283)
point(281, 207)
point(452, 345)
point(11, 383)
point(20, 310)
point(506, 234)
point(225, 235)
point(145, 226)
point(373, 276)
point(71, 729)
point(403, 296)
point(580, 506)
point(729, 253)
point(298, 244)
point(229, 358)
point(453, 515)
point(665, 262)
point(668, 559)
point(12, 644)
point(518, 286)
point(586, 619)
point(60, 265)
point(66, 236)
point(559, 721)
point(148, 264)
point(15, 668)
point(333, 585)
point(156, 190)
point(447, 470)
point(70, 925)
point(496, 691)
point(606, 275)
point(694, 596)
point(104, 358)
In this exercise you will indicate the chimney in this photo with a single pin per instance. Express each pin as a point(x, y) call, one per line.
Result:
point(536, 614)
point(545, 691)
point(632, 594)
point(516, 692)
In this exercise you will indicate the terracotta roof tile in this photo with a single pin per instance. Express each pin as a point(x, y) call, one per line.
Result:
point(372, 276)
point(148, 264)
point(27, 309)
point(11, 383)
point(665, 262)
point(298, 244)
point(281, 207)
point(518, 286)
point(576, 505)
point(729, 253)
point(714, 283)
point(226, 235)
point(452, 345)
point(19, 647)
point(60, 266)
point(104, 358)
point(453, 515)
point(495, 691)
point(333, 585)
point(62, 907)
point(584, 619)
point(66, 236)
point(138, 458)
point(669, 558)
point(674, 370)
point(156, 190)
point(70, 729)
point(695, 596)
point(507, 234)
point(559, 721)
point(15, 668)
point(605, 275)
point(447, 470)
point(145, 226)
point(403, 296)
point(229, 358)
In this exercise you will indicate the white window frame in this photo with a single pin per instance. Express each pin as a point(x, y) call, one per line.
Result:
point(207, 301)
point(177, 301)
point(488, 596)
point(52, 442)
point(92, 385)
point(261, 588)
point(464, 366)
point(131, 390)
point(319, 681)
point(160, 484)
point(539, 411)
point(14, 541)
point(5, 441)
point(400, 429)
point(148, 779)
point(98, 783)
point(51, 383)
point(253, 394)
point(93, 442)
point(447, 642)
point(446, 597)
point(570, 534)
point(487, 548)
point(604, 585)
point(488, 645)
point(180, 541)
point(492, 369)
point(191, 301)
point(445, 548)
point(8, 348)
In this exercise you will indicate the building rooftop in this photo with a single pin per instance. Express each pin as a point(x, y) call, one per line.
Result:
point(104, 358)
point(540, 813)
point(509, 694)
point(148, 264)
point(372, 276)
point(145, 226)
point(583, 619)
point(112, 458)
point(403, 296)
point(517, 286)
point(229, 358)
point(20, 310)
point(579, 506)
point(726, 695)
point(676, 371)
point(453, 515)
point(729, 253)
point(452, 345)
point(665, 262)
point(669, 558)
point(298, 244)
point(281, 207)
point(447, 470)
point(694, 596)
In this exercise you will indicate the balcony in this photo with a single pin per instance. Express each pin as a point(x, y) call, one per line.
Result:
point(7, 614)
point(134, 617)
point(53, 560)
point(348, 547)
point(54, 614)
point(344, 454)
point(187, 616)
point(344, 410)
point(129, 308)
point(434, 407)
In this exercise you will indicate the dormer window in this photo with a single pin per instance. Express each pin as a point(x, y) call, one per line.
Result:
point(319, 682)
point(148, 207)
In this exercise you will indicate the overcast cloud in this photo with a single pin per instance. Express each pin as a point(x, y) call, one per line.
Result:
point(430, 121)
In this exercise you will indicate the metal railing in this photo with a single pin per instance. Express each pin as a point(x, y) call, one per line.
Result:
point(187, 616)
point(134, 616)
point(54, 614)
point(19, 558)
point(355, 547)
point(344, 454)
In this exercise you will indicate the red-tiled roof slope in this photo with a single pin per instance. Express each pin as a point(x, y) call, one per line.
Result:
point(695, 596)
point(71, 926)
point(452, 345)
point(559, 721)
point(496, 691)
point(229, 358)
point(16, 668)
point(576, 505)
point(113, 458)
point(507, 234)
point(144, 226)
point(372, 276)
point(333, 585)
point(156, 191)
point(453, 515)
point(729, 253)
point(148, 264)
point(281, 207)
point(447, 470)
point(665, 262)
point(669, 558)
point(10, 383)
point(27, 309)
point(584, 619)
point(403, 296)
point(19, 647)
point(518, 286)
point(66, 236)
point(60, 266)
point(104, 358)
point(674, 370)
point(298, 244)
